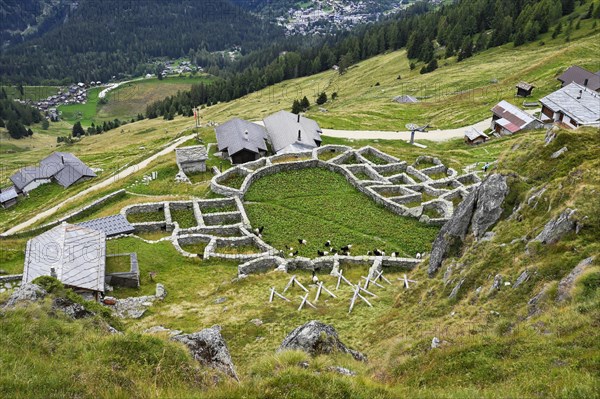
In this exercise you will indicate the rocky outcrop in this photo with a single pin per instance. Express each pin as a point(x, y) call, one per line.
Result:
point(317, 338)
point(134, 307)
point(559, 153)
point(523, 277)
point(72, 309)
point(533, 305)
point(557, 228)
point(479, 212)
point(27, 293)
point(566, 284)
point(209, 348)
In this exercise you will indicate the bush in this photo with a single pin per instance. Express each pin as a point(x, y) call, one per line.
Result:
point(50, 284)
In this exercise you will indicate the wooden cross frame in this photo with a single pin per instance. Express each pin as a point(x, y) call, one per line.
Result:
point(340, 278)
point(357, 295)
point(322, 287)
point(305, 301)
point(293, 281)
point(369, 281)
point(405, 282)
point(273, 293)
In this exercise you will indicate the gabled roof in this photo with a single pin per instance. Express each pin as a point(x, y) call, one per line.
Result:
point(110, 225)
point(579, 75)
point(473, 134)
point(237, 134)
point(525, 86)
point(282, 129)
point(66, 168)
point(28, 174)
point(8, 193)
point(510, 115)
point(577, 102)
point(405, 99)
point(191, 154)
point(75, 254)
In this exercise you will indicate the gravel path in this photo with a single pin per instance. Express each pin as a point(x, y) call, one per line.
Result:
point(104, 183)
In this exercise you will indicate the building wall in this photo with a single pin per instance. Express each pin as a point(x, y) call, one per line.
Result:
point(194, 167)
point(35, 184)
point(244, 156)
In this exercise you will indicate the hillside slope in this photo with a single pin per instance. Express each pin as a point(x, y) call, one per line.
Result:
point(495, 342)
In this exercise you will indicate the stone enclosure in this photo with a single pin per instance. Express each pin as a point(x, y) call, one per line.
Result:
point(427, 190)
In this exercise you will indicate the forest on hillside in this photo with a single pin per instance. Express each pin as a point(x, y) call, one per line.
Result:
point(461, 29)
point(101, 39)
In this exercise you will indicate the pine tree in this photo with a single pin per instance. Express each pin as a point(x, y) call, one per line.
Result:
point(322, 99)
point(78, 130)
point(296, 107)
point(304, 103)
point(45, 124)
point(557, 30)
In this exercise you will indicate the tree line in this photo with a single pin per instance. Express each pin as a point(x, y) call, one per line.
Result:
point(462, 28)
point(16, 116)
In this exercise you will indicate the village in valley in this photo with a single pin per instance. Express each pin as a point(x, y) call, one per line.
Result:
point(372, 235)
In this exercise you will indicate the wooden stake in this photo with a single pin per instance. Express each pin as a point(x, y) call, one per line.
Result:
point(290, 283)
point(353, 299)
point(305, 301)
point(339, 274)
point(300, 285)
point(362, 289)
point(372, 281)
point(327, 291)
point(272, 294)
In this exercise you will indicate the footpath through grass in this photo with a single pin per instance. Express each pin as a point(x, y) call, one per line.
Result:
point(318, 205)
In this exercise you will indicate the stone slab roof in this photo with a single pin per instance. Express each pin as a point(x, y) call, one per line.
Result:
point(111, 225)
point(473, 134)
point(237, 134)
point(75, 254)
point(8, 194)
point(579, 75)
point(283, 127)
point(195, 153)
point(575, 101)
point(66, 168)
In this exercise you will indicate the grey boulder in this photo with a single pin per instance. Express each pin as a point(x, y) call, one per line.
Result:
point(479, 212)
point(27, 293)
point(317, 338)
point(555, 229)
point(209, 348)
point(566, 284)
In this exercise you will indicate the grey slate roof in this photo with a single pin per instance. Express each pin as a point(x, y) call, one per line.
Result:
point(110, 225)
point(66, 168)
point(231, 136)
point(282, 129)
point(8, 194)
point(579, 75)
point(76, 253)
point(405, 99)
point(191, 154)
point(473, 134)
point(585, 110)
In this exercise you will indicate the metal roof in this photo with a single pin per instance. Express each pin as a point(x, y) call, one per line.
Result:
point(512, 114)
point(575, 101)
point(283, 128)
point(473, 134)
point(110, 225)
point(66, 168)
point(75, 254)
point(191, 154)
point(8, 193)
point(237, 134)
point(579, 75)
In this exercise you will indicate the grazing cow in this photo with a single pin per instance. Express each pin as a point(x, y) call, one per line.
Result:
point(301, 241)
point(377, 252)
point(328, 243)
point(315, 279)
point(322, 253)
point(347, 247)
point(394, 254)
point(418, 255)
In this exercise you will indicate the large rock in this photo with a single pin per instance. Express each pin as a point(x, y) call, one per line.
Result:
point(72, 309)
point(557, 228)
point(27, 293)
point(317, 338)
point(479, 212)
point(209, 348)
point(566, 284)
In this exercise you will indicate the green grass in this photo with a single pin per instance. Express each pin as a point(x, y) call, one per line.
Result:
point(362, 176)
point(84, 113)
point(197, 248)
point(34, 93)
point(185, 218)
point(291, 158)
point(118, 264)
point(152, 235)
point(233, 180)
point(143, 217)
point(237, 250)
point(374, 158)
point(296, 204)
point(218, 209)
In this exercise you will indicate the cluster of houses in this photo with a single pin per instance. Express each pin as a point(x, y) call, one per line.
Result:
point(330, 14)
point(282, 132)
point(61, 167)
point(171, 69)
point(75, 254)
point(575, 104)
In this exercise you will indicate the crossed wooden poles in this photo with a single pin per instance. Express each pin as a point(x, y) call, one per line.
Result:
point(357, 289)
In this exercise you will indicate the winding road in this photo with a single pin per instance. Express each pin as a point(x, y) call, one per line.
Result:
point(104, 183)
